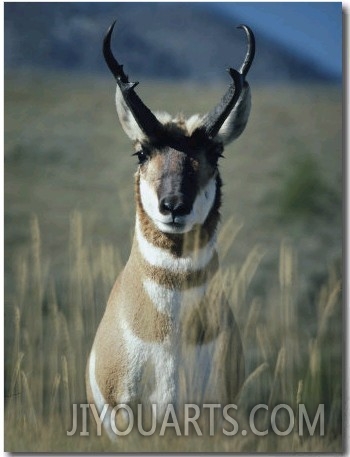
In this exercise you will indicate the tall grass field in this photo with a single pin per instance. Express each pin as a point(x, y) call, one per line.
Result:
point(69, 217)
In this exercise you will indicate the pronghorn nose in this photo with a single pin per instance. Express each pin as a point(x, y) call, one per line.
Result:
point(174, 205)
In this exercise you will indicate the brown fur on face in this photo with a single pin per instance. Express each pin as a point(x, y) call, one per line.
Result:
point(179, 244)
point(178, 149)
point(169, 162)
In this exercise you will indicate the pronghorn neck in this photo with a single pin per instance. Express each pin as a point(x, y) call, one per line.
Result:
point(199, 239)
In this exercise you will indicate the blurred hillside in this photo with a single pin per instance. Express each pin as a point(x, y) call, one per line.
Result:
point(65, 151)
point(176, 41)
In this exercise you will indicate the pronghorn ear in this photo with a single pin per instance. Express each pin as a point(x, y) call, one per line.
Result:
point(127, 120)
point(237, 119)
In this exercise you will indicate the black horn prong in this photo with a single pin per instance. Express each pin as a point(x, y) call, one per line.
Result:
point(250, 52)
point(216, 118)
point(113, 65)
point(144, 117)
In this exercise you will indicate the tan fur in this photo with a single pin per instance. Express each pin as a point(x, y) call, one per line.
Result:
point(128, 298)
point(205, 331)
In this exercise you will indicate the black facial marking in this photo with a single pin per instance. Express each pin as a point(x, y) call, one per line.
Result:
point(178, 186)
point(175, 138)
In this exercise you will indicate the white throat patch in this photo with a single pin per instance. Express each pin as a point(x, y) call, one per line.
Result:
point(158, 257)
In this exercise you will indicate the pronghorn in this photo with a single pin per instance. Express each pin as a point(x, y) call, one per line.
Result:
point(158, 312)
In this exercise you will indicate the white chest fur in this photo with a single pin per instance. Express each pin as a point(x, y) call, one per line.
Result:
point(163, 357)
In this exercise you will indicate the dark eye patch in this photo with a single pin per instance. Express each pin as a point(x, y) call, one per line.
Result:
point(214, 153)
point(142, 155)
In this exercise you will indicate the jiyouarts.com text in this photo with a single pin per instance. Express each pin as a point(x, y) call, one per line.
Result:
point(281, 420)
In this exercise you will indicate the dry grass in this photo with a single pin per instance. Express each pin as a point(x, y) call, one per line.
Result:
point(68, 229)
point(46, 361)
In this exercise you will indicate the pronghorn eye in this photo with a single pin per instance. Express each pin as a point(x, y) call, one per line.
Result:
point(142, 155)
point(215, 153)
point(219, 151)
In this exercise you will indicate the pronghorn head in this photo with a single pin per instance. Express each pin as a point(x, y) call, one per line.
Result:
point(178, 179)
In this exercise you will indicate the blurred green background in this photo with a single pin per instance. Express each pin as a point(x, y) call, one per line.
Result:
point(69, 173)
point(65, 151)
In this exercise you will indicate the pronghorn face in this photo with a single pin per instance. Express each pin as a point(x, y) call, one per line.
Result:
point(178, 174)
point(178, 185)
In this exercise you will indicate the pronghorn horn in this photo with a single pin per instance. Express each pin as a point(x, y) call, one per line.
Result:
point(215, 119)
point(250, 51)
point(144, 117)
